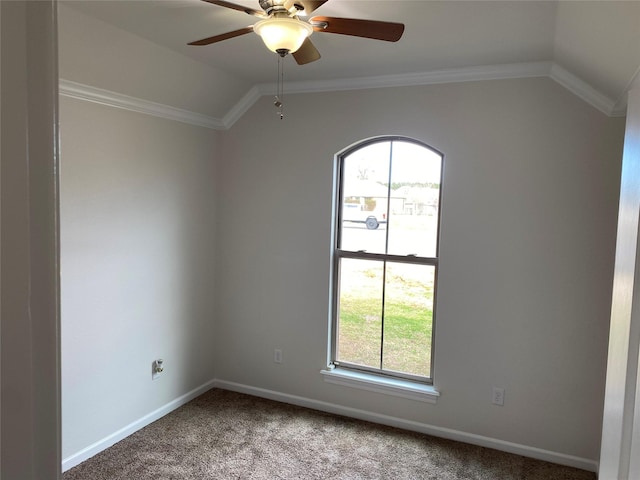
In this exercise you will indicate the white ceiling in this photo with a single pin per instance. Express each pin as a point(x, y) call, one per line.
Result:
point(595, 41)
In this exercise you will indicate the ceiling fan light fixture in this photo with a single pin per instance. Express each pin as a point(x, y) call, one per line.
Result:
point(283, 33)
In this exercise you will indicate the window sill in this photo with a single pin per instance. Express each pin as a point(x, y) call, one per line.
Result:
point(375, 383)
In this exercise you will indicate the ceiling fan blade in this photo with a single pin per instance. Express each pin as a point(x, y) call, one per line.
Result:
point(308, 6)
point(387, 31)
point(223, 36)
point(307, 53)
point(235, 6)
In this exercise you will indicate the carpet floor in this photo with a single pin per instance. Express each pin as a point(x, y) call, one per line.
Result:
point(228, 435)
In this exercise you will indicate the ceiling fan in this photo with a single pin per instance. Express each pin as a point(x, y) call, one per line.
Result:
point(284, 32)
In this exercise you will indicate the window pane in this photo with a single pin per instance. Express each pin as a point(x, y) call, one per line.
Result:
point(365, 180)
point(360, 312)
point(413, 216)
point(408, 318)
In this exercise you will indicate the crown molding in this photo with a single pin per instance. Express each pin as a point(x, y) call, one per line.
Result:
point(586, 92)
point(241, 107)
point(105, 97)
point(621, 104)
point(471, 74)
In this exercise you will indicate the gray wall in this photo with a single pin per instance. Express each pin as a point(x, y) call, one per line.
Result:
point(527, 247)
point(137, 250)
point(138, 213)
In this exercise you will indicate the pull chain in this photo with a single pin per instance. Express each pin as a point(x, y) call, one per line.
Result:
point(280, 87)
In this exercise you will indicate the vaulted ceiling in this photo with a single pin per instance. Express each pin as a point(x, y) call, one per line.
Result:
point(592, 47)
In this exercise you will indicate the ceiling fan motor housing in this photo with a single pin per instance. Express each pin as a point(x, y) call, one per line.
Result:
point(270, 6)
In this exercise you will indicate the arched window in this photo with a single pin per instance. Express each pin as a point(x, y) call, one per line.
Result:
point(386, 257)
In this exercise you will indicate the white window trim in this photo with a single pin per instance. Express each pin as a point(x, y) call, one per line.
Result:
point(381, 384)
point(395, 383)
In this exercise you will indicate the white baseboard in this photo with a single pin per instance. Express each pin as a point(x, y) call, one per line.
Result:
point(509, 447)
point(95, 448)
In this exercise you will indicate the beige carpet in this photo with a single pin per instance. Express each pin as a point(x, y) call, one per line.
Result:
point(227, 435)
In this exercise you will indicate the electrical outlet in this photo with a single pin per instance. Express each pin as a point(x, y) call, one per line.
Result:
point(498, 396)
point(157, 368)
point(277, 355)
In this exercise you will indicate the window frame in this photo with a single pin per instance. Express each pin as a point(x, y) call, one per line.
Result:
point(338, 255)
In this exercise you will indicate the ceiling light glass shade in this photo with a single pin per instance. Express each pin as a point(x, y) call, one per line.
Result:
point(283, 33)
